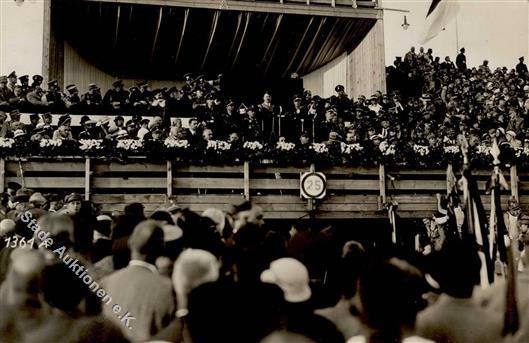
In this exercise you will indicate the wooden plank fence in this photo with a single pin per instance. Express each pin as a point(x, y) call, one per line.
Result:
point(351, 192)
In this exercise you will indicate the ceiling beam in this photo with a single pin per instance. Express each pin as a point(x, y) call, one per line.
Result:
point(263, 7)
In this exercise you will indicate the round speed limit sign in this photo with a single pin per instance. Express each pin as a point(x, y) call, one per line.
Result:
point(313, 185)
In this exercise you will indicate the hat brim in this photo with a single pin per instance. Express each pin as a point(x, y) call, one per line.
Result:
point(299, 296)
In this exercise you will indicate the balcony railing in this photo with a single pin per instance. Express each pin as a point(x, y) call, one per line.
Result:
point(351, 192)
point(333, 3)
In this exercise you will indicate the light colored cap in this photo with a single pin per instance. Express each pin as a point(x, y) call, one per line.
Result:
point(193, 268)
point(171, 232)
point(217, 216)
point(37, 198)
point(291, 276)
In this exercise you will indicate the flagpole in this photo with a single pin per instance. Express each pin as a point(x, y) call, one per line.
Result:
point(457, 36)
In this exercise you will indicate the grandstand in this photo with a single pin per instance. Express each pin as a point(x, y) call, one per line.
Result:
point(256, 45)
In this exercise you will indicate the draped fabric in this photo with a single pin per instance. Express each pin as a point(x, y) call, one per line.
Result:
point(153, 42)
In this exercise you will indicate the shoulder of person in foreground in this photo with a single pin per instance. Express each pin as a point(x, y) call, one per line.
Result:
point(411, 339)
point(96, 329)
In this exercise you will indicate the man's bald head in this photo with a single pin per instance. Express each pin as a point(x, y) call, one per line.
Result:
point(146, 242)
point(24, 277)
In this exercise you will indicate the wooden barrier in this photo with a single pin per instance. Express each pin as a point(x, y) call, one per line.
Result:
point(351, 192)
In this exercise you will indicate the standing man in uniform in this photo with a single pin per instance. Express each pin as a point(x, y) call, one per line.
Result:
point(5, 94)
point(12, 81)
point(37, 82)
point(521, 68)
point(269, 115)
point(54, 96)
point(92, 100)
point(72, 99)
point(461, 60)
point(117, 98)
point(24, 84)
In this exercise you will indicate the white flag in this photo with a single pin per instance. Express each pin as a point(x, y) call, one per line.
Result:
point(440, 14)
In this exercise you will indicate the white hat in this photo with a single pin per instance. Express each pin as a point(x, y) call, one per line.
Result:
point(6, 226)
point(171, 232)
point(38, 198)
point(511, 133)
point(18, 133)
point(291, 276)
point(103, 217)
point(193, 268)
point(217, 216)
point(122, 134)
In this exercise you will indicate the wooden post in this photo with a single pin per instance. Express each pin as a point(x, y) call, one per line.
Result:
point(514, 182)
point(246, 180)
point(310, 202)
point(87, 178)
point(169, 179)
point(21, 172)
point(382, 183)
point(2, 173)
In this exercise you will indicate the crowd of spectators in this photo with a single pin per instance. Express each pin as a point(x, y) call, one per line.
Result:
point(70, 273)
point(428, 103)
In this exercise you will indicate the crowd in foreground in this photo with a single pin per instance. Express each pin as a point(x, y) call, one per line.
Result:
point(429, 103)
point(70, 273)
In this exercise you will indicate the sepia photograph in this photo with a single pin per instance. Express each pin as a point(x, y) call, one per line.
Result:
point(264, 171)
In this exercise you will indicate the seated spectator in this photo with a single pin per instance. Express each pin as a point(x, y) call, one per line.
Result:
point(143, 130)
point(192, 134)
point(64, 131)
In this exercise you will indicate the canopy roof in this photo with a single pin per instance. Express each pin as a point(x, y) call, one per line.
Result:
point(164, 42)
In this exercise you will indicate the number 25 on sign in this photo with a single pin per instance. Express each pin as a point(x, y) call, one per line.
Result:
point(313, 185)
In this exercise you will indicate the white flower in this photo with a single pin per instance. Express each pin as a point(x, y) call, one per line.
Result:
point(451, 149)
point(320, 148)
point(218, 145)
point(90, 144)
point(129, 144)
point(6, 142)
point(252, 145)
point(421, 150)
point(483, 150)
point(386, 148)
point(176, 143)
point(351, 148)
point(44, 143)
point(285, 146)
point(522, 151)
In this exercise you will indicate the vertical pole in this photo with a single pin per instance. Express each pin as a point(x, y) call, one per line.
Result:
point(514, 182)
point(457, 36)
point(310, 202)
point(169, 179)
point(21, 172)
point(246, 180)
point(2, 173)
point(382, 183)
point(87, 179)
